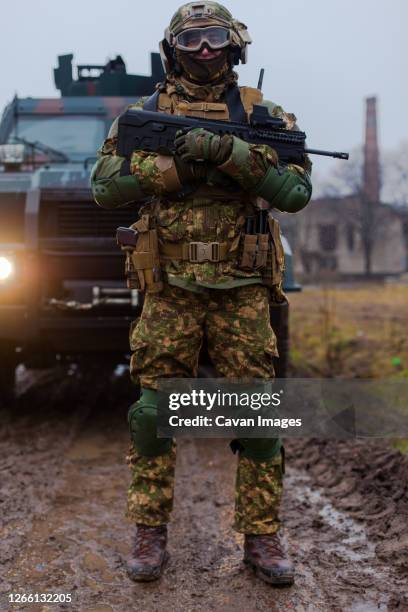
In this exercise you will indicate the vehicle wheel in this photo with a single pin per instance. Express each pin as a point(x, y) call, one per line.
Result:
point(7, 375)
point(279, 314)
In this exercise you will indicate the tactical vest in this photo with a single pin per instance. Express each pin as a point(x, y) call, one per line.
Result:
point(256, 253)
point(238, 105)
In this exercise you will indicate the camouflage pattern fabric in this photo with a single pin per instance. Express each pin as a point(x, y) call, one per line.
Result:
point(258, 493)
point(143, 166)
point(167, 338)
point(252, 163)
point(179, 86)
point(194, 220)
point(150, 494)
point(182, 17)
point(166, 342)
point(206, 218)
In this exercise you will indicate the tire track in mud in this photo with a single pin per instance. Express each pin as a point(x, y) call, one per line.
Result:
point(75, 539)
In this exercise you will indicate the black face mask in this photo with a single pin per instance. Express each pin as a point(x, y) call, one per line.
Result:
point(203, 71)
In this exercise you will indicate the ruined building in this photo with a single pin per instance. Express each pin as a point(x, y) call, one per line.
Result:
point(353, 236)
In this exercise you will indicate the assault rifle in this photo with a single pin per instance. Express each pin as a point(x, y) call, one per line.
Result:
point(155, 132)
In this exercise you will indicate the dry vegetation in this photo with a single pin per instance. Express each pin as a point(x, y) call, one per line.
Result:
point(355, 332)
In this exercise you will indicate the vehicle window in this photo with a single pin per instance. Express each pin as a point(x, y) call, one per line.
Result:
point(77, 136)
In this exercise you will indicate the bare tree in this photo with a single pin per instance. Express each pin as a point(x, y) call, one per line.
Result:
point(347, 180)
point(395, 176)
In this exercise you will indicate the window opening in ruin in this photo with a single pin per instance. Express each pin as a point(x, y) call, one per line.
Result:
point(328, 237)
point(350, 236)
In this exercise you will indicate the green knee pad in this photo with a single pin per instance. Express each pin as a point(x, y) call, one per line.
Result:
point(259, 449)
point(142, 419)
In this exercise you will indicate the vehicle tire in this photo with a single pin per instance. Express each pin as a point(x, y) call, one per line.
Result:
point(279, 314)
point(7, 375)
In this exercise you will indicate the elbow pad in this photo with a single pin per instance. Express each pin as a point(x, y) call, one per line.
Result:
point(117, 191)
point(110, 187)
point(285, 190)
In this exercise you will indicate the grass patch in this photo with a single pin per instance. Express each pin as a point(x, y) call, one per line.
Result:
point(358, 332)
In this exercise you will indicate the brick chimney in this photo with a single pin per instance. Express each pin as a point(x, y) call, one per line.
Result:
point(371, 176)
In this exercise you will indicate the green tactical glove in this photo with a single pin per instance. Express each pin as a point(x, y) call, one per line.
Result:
point(202, 146)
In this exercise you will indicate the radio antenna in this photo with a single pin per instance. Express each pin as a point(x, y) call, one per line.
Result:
point(260, 80)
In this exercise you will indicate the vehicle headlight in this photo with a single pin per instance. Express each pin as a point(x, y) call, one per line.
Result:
point(6, 268)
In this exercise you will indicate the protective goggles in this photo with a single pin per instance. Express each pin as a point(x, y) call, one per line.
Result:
point(216, 37)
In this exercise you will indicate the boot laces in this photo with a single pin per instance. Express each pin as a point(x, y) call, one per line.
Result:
point(271, 544)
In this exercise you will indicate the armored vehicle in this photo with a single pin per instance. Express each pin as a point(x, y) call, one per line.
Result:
point(62, 290)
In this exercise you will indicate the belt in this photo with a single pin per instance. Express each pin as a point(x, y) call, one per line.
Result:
point(196, 252)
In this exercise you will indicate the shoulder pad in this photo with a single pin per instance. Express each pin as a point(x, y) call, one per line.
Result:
point(249, 97)
point(113, 131)
point(138, 104)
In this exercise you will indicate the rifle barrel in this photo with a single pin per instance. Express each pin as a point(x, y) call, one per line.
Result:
point(336, 154)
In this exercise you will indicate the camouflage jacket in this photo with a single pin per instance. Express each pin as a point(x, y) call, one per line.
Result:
point(215, 212)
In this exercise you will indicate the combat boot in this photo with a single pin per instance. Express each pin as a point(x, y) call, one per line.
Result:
point(265, 554)
point(149, 554)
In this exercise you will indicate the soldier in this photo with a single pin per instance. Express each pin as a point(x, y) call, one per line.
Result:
point(215, 278)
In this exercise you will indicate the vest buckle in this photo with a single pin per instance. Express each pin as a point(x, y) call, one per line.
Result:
point(198, 252)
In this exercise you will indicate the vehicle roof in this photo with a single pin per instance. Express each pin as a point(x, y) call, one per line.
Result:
point(99, 90)
point(109, 106)
point(106, 107)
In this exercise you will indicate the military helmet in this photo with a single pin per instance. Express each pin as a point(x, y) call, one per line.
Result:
point(204, 15)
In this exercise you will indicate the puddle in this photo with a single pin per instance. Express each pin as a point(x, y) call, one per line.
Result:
point(353, 544)
point(354, 534)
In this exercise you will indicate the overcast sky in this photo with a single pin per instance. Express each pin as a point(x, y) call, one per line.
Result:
point(321, 57)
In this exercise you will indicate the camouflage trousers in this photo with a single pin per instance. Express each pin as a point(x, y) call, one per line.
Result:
point(166, 342)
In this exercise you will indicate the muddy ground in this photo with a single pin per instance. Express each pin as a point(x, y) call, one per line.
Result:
point(62, 499)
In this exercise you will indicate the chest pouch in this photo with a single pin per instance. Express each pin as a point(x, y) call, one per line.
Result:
point(262, 251)
point(142, 266)
point(256, 241)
